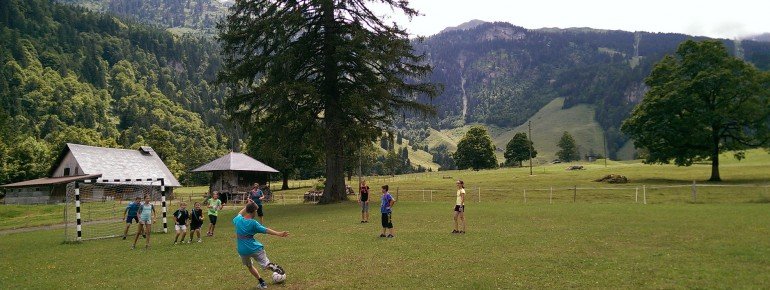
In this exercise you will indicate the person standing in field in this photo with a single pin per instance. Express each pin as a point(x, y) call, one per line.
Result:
point(363, 200)
point(460, 209)
point(215, 205)
point(129, 215)
point(249, 248)
point(386, 206)
point(146, 215)
point(196, 221)
point(180, 222)
point(257, 196)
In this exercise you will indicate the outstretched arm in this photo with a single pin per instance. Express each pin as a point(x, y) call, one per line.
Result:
point(282, 234)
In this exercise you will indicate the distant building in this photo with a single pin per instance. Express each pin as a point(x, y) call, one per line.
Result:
point(234, 174)
point(80, 162)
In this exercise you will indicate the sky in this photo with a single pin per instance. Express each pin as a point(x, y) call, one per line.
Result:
point(719, 19)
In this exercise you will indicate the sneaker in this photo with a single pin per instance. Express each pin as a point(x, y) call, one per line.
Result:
point(175, 243)
point(143, 236)
point(133, 247)
point(189, 242)
point(455, 231)
point(200, 241)
point(362, 221)
point(124, 237)
point(462, 232)
point(262, 285)
point(382, 235)
point(391, 236)
point(275, 268)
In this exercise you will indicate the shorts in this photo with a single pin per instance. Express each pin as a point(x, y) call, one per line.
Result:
point(180, 227)
point(259, 210)
point(195, 226)
point(260, 257)
point(460, 208)
point(130, 219)
point(387, 221)
point(145, 221)
point(364, 206)
point(213, 219)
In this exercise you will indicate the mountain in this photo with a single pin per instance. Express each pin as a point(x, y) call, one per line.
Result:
point(500, 74)
point(71, 75)
point(180, 16)
point(465, 26)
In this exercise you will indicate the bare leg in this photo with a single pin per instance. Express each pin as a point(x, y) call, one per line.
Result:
point(138, 233)
point(456, 215)
point(184, 234)
point(147, 232)
point(254, 272)
point(462, 220)
point(126, 231)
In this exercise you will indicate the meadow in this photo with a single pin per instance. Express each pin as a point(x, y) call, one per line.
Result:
point(595, 239)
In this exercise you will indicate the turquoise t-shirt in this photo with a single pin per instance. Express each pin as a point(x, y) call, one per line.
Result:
point(146, 211)
point(245, 229)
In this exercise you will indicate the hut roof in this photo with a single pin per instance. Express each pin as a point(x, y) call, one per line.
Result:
point(119, 164)
point(51, 180)
point(235, 161)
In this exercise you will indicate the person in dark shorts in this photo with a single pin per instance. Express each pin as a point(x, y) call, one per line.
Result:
point(196, 221)
point(215, 205)
point(386, 206)
point(460, 209)
point(363, 200)
point(181, 216)
point(129, 215)
point(257, 196)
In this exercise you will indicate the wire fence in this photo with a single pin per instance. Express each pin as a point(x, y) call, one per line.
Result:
point(642, 194)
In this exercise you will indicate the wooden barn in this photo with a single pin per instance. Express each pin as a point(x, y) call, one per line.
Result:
point(80, 162)
point(234, 174)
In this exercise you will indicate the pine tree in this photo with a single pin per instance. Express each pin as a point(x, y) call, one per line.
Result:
point(568, 150)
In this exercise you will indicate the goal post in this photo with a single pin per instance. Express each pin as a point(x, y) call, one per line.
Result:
point(96, 208)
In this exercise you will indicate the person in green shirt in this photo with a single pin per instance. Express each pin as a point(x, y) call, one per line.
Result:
point(214, 206)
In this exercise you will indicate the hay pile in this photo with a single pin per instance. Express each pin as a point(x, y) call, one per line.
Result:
point(613, 178)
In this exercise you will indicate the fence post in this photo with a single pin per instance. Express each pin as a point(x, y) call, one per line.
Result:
point(694, 192)
point(574, 194)
point(550, 196)
point(423, 195)
point(644, 193)
point(479, 188)
point(525, 195)
point(431, 196)
point(636, 195)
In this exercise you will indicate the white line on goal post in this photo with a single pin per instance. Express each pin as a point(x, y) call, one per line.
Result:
point(77, 211)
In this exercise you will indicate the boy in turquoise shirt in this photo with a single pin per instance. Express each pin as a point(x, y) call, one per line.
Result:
point(248, 247)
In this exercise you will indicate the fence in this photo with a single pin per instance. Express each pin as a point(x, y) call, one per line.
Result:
point(642, 194)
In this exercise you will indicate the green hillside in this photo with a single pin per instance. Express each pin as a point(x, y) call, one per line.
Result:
point(548, 124)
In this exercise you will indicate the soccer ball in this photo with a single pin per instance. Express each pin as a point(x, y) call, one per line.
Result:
point(278, 278)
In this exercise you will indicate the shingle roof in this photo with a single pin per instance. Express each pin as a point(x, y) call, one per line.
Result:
point(121, 164)
point(51, 180)
point(235, 162)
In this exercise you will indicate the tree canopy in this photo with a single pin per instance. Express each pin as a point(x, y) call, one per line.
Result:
point(519, 149)
point(332, 66)
point(475, 150)
point(568, 150)
point(701, 102)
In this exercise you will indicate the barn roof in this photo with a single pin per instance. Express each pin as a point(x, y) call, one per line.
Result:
point(51, 180)
point(235, 161)
point(119, 164)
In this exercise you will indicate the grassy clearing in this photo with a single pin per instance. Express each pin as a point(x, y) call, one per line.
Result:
point(532, 246)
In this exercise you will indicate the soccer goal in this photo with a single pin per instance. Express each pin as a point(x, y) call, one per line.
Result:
point(94, 209)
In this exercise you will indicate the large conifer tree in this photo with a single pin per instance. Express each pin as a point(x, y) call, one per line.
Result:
point(332, 64)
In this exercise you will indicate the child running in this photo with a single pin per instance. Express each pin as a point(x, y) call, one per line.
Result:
point(386, 206)
point(180, 222)
point(248, 247)
point(129, 215)
point(214, 206)
point(196, 221)
point(146, 215)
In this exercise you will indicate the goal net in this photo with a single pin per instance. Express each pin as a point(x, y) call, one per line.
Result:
point(96, 209)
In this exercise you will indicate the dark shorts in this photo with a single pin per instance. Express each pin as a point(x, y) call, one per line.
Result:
point(387, 221)
point(195, 226)
point(460, 208)
point(130, 219)
point(213, 219)
point(259, 210)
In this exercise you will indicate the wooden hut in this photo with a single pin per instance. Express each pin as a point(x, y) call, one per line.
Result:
point(234, 174)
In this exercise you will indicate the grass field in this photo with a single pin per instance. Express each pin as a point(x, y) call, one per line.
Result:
point(527, 246)
point(600, 239)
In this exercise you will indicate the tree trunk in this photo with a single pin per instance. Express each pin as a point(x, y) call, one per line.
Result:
point(285, 177)
point(715, 154)
point(334, 190)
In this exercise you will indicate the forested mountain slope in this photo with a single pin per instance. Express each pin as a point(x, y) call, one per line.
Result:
point(71, 75)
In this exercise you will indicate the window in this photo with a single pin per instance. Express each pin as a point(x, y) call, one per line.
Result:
point(66, 171)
